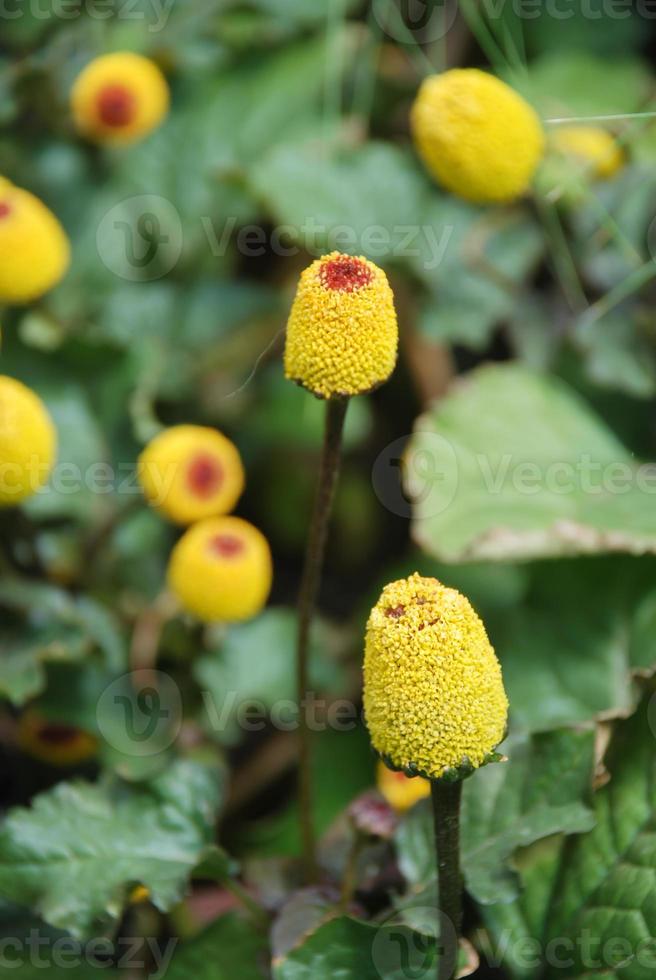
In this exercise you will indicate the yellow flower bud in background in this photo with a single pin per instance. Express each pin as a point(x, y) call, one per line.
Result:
point(476, 135)
point(400, 791)
point(220, 570)
point(594, 148)
point(190, 472)
point(139, 895)
point(433, 693)
point(119, 98)
point(28, 442)
point(34, 249)
point(53, 742)
point(342, 335)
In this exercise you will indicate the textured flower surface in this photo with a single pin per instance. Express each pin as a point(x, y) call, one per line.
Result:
point(433, 693)
point(342, 335)
point(28, 442)
point(593, 147)
point(34, 249)
point(220, 570)
point(190, 472)
point(400, 791)
point(476, 135)
point(119, 98)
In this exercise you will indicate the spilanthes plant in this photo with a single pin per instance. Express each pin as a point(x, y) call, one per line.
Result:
point(342, 340)
point(435, 706)
point(54, 743)
point(34, 248)
point(476, 135)
point(119, 98)
point(190, 472)
point(220, 570)
point(28, 442)
point(400, 791)
point(594, 149)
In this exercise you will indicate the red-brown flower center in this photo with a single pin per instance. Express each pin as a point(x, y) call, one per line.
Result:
point(345, 274)
point(116, 105)
point(5, 209)
point(226, 545)
point(204, 475)
point(56, 734)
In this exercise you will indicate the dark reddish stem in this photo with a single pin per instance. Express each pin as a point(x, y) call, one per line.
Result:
point(314, 558)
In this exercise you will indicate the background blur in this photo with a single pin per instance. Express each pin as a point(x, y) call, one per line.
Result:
point(288, 137)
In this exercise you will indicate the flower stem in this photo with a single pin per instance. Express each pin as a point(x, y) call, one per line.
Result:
point(314, 556)
point(446, 813)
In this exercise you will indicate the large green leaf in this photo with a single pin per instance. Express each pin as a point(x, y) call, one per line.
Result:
point(513, 464)
point(571, 649)
point(73, 855)
point(543, 789)
point(340, 198)
point(354, 950)
point(594, 893)
point(226, 949)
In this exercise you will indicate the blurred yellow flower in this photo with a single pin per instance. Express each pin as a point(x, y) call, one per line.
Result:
point(34, 249)
point(592, 146)
point(400, 791)
point(119, 98)
point(220, 570)
point(28, 442)
point(190, 472)
point(476, 135)
point(139, 894)
point(53, 742)
point(433, 693)
point(342, 335)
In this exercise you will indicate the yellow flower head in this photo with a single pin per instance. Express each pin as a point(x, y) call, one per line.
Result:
point(119, 98)
point(400, 791)
point(139, 895)
point(220, 570)
point(34, 249)
point(433, 694)
point(53, 742)
point(592, 146)
point(342, 335)
point(28, 442)
point(476, 135)
point(190, 472)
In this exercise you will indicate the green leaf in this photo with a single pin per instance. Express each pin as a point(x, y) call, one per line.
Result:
point(78, 483)
point(74, 853)
point(594, 892)
point(584, 629)
point(226, 949)
point(618, 354)
point(59, 628)
point(354, 950)
point(473, 262)
point(543, 789)
point(579, 83)
point(254, 665)
point(339, 198)
point(514, 464)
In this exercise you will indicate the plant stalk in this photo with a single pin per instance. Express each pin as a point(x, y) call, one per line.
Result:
point(314, 557)
point(446, 798)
